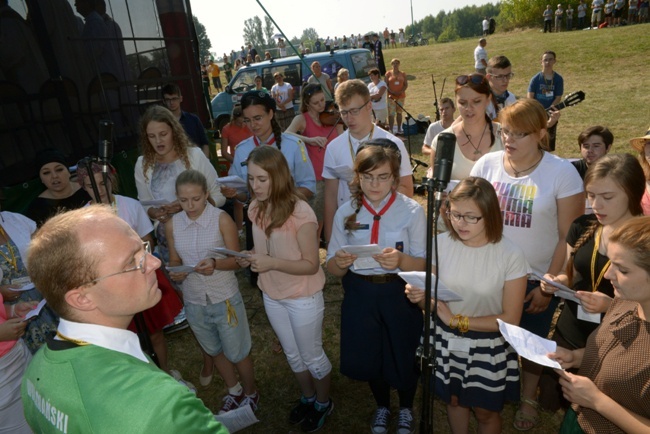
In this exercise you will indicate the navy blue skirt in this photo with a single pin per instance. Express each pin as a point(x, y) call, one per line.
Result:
point(486, 377)
point(380, 332)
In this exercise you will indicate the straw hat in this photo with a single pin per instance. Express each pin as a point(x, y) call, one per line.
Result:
point(639, 142)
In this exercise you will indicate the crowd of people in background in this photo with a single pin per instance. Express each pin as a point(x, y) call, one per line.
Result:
point(604, 13)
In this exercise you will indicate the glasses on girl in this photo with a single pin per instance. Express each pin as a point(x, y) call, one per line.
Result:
point(469, 219)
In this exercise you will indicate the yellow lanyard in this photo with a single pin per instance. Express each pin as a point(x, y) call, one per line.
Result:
point(231, 315)
point(596, 282)
point(11, 259)
point(74, 341)
point(352, 154)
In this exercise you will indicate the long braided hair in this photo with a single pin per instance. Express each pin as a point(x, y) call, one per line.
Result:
point(371, 155)
point(627, 173)
point(258, 97)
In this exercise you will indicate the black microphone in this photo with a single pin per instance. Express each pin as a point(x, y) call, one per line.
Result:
point(444, 160)
point(105, 153)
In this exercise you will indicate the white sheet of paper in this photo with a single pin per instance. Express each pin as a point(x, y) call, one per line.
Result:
point(238, 419)
point(154, 202)
point(363, 251)
point(364, 254)
point(25, 287)
point(529, 345)
point(417, 279)
point(563, 291)
point(343, 172)
point(366, 264)
point(234, 181)
point(181, 269)
point(452, 184)
point(586, 316)
point(35, 311)
point(229, 252)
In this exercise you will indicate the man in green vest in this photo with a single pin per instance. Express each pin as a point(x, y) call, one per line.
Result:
point(96, 273)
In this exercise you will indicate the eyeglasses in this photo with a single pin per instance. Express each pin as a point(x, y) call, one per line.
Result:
point(462, 80)
point(469, 219)
point(503, 76)
point(383, 178)
point(514, 136)
point(141, 265)
point(171, 100)
point(354, 111)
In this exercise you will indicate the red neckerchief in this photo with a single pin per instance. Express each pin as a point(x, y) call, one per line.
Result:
point(257, 142)
point(374, 234)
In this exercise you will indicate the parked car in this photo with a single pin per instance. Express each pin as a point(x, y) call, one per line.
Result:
point(295, 69)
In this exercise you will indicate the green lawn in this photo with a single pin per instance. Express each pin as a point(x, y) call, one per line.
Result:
point(608, 65)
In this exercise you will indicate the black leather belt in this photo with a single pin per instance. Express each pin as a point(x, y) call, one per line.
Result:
point(379, 278)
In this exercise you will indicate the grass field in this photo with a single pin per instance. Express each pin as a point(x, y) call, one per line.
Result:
point(608, 65)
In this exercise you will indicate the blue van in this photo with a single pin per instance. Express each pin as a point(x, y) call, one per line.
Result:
point(295, 71)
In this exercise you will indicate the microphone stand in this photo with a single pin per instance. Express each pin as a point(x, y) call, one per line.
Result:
point(435, 96)
point(408, 115)
point(426, 352)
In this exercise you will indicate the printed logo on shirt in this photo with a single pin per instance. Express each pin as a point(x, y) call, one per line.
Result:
point(516, 203)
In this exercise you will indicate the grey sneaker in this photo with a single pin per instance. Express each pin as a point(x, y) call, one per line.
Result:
point(379, 424)
point(405, 421)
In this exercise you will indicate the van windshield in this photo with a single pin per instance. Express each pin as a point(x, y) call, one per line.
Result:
point(244, 81)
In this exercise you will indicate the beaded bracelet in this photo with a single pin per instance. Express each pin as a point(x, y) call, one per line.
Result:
point(463, 324)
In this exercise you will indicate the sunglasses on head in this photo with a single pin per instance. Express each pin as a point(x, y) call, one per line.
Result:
point(462, 80)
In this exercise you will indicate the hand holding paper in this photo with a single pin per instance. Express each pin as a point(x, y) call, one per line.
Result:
point(417, 279)
point(529, 345)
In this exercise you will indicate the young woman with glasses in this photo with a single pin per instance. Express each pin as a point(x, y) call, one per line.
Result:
point(540, 195)
point(476, 135)
point(476, 370)
point(213, 304)
point(291, 279)
point(379, 326)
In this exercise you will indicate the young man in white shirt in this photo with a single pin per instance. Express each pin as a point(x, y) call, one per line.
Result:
point(480, 56)
point(353, 99)
point(499, 74)
point(447, 110)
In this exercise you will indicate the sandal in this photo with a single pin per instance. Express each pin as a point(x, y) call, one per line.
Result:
point(521, 417)
point(276, 347)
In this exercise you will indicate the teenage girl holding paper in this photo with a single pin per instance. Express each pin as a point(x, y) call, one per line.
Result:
point(291, 279)
point(379, 325)
point(615, 185)
point(213, 304)
point(476, 369)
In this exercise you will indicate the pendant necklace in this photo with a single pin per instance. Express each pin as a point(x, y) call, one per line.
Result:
point(519, 172)
point(469, 140)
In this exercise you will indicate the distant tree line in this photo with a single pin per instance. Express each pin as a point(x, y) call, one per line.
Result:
point(457, 24)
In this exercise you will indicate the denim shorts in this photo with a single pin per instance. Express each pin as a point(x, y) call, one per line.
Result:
point(210, 326)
